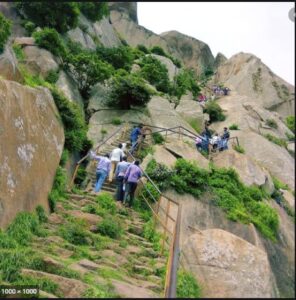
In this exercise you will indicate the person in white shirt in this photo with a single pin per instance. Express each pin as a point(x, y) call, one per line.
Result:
point(115, 157)
point(215, 140)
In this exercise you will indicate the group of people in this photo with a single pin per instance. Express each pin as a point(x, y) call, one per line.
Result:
point(217, 90)
point(206, 142)
point(126, 174)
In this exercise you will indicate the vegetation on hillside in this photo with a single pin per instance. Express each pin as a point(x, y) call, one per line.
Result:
point(241, 203)
point(215, 111)
point(5, 26)
point(290, 121)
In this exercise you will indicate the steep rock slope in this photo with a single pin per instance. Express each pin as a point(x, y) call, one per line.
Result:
point(32, 141)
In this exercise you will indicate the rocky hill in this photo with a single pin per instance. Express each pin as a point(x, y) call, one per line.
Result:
point(66, 90)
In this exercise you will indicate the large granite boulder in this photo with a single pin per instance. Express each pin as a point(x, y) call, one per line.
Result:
point(247, 74)
point(81, 37)
point(172, 69)
point(248, 170)
point(34, 141)
point(98, 97)
point(220, 59)
point(39, 61)
point(227, 266)
point(8, 66)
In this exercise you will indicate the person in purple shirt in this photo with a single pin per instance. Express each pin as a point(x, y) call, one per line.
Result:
point(103, 169)
point(132, 176)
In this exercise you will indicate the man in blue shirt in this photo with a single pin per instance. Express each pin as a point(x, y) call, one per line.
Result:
point(134, 136)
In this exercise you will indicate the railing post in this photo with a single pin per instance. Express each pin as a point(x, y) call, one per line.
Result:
point(237, 140)
point(166, 224)
point(74, 175)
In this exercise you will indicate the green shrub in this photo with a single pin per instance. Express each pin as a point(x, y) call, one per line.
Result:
point(121, 57)
point(116, 121)
point(276, 140)
point(30, 27)
point(87, 70)
point(187, 286)
point(74, 233)
point(186, 80)
point(107, 202)
point(239, 149)
point(52, 76)
point(159, 173)
point(41, 214)
point(278, 184)
point(23, 227)
point(151, 235)
point(60, 15)
point(73, 121)
point(143, 49)
point(290, 121)
point(6, 241)
point(271, 123)
point(5, 26)
point(81, 175)
point(110, 227)
point(233, 127)
point(49, 39)
point(157, 138)
point(155, 72)
point(290, 137)
point(158, 50)
point(215, 111)
point(94, 11)
point(127, 91)
point(64, 157)
point(18, 51)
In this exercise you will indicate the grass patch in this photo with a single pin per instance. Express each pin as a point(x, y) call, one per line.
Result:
point(74, 233)
point(187, 286)
point(271, 123)
point(233, 127)
point(276, 140)
point(239, 149)
point(158, 138)
point(110, 227)
point(19, 53)
point(116, 121)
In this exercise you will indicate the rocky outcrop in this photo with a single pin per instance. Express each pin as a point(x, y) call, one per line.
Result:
point(34, 141)
point(81, 37)
point(39, 61)
point(129, 8)
point(8, 66)
point(98, 97)
point(246, 74)
point(228, 266)
point(194, 54)
point(172, 69)
point(248, 170)
point(220, 59)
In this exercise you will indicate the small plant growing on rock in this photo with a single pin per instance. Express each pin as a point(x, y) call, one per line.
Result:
point(271, 123)
point(110, 227)
point(157, 138)
point(239, 149)
point(116, 121)
point(233, 127)
point(215, 111)
point(5, 25)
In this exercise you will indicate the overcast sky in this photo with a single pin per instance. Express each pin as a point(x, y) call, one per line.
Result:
point(260, 28)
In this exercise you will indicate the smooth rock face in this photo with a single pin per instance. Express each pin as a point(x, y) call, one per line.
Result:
point(32, 144)
point(97, 101)
point(8, 66)
point(39, 61)
point(228, 266)
point(246, 74)
point(77, 35)
point(248, 170)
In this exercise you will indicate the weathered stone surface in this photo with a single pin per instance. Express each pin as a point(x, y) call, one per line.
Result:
point(188, 152)
point(127, 290)
point(70, 288)
point(77, 35)
point(97, 101)
point(28, 125)
point(24, 41)
point(249, 171)
point(90, 265)
point(8, 66)
point(161, 155)
point(172, 69)
point(289, 198)
point(39, 61)
point(55, 219)
point(130, 8)
point(220, 59)
point(247, 74)
point(91, 219)
point(68, 86)
point(291, 147)
point(228, 266)
point(52, 262)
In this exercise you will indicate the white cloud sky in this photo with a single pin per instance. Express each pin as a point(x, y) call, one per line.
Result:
point(260, 28)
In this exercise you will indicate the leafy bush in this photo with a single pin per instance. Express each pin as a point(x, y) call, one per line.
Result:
point(107, 202)
point(290, 121)
point(18, 51)
point(158, 50)
point(157, 138)
point(276, 140)
point(87, 70)
point(41, 214)
point(159, 173)
point(110, 227)
point(239, 149)
point(155, 72)
point(116, 121)
point(121, 57)
point(64, 157)
point(143, 49)
point(94, 11)
point(58, 188)
point(74, 124)
point(30, 27)
point(233, 127)
point(187, 286)
point(127, 91)
point(74, 233)
point(81, 175)
point(151, 235)
point(278, 184)
point(290, 137)
point(271, 123)
point(60, 15)
point(215, 111)
point(52, 76)
point(5, 26)
point(49, 39)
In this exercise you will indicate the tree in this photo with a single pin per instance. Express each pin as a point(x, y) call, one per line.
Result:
point(60, 15)
point(5, 26)
point(87, 69)
point(94, 11)
point(128, 90)
point(186, 81)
